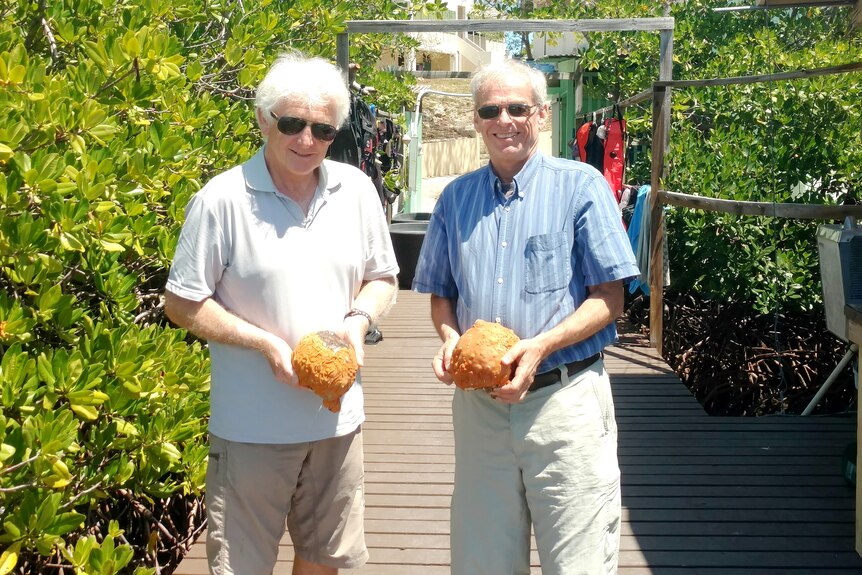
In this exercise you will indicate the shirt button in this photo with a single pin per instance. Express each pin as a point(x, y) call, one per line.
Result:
point(507, 208)
point(499, 280)
point(504, 244)
point(498, 320)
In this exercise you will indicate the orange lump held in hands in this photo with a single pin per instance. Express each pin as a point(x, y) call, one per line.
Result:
point(325, 364)
point(476, 357)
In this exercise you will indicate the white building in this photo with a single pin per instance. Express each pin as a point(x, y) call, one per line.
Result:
point(448, 52)
point(550, 45)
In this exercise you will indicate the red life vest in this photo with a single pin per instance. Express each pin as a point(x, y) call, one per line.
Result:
point(615, 153)
point(582, 136)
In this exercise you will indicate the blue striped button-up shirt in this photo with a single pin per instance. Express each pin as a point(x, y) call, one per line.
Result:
point(526, 261)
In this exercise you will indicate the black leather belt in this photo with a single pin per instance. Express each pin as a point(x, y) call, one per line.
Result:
point(552, 377)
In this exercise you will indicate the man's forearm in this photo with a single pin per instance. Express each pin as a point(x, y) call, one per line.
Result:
point(603, 305)
point(209, 320)
point(376, 297)
point(444, 316)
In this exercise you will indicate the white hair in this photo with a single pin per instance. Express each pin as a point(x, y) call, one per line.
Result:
point(298, 79)
point(507, 68)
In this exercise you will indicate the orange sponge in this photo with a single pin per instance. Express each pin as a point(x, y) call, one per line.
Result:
point(326, 364)
point(476, 357)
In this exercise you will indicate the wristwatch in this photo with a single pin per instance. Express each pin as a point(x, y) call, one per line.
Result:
point(353, 311)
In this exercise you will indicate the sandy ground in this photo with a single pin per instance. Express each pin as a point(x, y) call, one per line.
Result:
point(431, 189)
point(444, 116)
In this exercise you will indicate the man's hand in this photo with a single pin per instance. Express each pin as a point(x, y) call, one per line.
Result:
point(525, 357)
point(353, 331)
point(446, 324)
point(278, 354)
point(443, 359)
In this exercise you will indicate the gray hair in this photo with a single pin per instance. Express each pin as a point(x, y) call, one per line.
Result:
point(507, 68)
point(300, 79)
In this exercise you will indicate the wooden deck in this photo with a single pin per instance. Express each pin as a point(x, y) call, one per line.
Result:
point(701, 495)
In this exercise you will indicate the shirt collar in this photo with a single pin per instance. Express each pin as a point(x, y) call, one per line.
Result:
point(523, 178)
point(257, 176)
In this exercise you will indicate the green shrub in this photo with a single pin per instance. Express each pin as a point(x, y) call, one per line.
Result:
point(783, 141)
point(115, 113)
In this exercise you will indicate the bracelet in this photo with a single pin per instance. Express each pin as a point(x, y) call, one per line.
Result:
point(354, 312)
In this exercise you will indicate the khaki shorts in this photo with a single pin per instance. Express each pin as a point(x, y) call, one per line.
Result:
point(254, 490)
point(549, 462)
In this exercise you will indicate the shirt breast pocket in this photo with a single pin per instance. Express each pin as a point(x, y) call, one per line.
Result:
point(547, 266)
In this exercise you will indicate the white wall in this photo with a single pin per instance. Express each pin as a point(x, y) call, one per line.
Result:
point(565, 44)
point(456, 156)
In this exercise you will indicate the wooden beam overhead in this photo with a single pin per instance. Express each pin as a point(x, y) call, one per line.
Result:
point(514, 25)
point(779, 4)
point(799, 3)
point(760, 78)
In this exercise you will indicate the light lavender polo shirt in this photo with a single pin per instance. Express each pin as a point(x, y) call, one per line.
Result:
point(255, 252)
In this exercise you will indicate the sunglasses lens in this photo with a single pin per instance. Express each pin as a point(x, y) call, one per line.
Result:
point(488, 112)
point(323, 132)
point(514, 111)
point(289, 126)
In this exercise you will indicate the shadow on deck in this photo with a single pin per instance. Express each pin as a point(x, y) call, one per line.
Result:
point(701, 495)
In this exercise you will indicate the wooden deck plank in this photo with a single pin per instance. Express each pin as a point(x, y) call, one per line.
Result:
point(701, 495)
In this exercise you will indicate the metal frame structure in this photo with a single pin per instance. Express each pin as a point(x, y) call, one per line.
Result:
point(664, 26)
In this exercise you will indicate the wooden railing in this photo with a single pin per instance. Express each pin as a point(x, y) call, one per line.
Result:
point(661, 197)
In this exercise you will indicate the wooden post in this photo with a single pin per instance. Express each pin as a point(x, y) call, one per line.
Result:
point(579, 90)
point(660, 141)
point(656, 239)
point(666, 73)
point(342, 53)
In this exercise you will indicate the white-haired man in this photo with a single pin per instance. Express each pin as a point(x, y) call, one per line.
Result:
point(285, 244)
point(534, 243)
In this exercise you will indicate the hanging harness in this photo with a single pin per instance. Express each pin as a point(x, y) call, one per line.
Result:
point(356, 142)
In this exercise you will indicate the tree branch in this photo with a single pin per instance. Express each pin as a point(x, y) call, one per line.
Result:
point(52, 42)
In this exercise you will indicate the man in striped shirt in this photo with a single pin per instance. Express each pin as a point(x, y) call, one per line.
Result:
point(536, 244)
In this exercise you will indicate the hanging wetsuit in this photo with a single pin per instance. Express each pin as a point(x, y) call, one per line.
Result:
point(594, 149)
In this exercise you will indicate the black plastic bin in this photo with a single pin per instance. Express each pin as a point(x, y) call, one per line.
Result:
point(407, 237)
point(411, 217)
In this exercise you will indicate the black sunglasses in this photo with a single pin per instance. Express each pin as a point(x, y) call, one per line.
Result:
point(288, 125)
point(514, 111)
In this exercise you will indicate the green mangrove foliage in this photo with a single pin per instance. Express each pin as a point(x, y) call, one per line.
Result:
point(114, 114)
